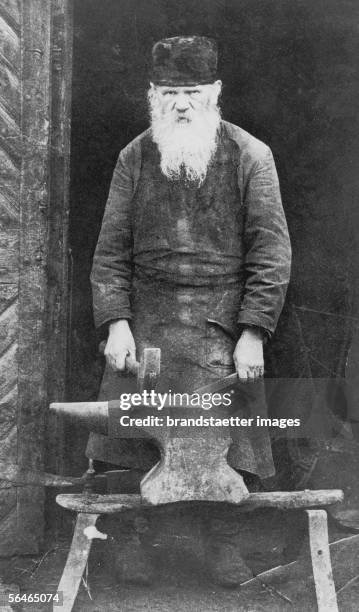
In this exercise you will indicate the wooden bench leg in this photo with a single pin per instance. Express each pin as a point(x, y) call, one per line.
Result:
point(321, 563)
point(76, 561)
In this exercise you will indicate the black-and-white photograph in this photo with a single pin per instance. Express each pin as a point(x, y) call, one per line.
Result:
point(179, 305)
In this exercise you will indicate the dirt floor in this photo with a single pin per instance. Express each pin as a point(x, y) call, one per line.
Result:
point(269, 538)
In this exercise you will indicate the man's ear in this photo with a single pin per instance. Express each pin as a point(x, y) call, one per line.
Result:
point(217, 88)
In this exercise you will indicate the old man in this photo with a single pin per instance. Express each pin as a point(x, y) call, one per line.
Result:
point(193, 254)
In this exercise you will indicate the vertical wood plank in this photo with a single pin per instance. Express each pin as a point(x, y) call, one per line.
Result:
point(57, 296)
point(10, 167)
point(57, 290)
point(34, 199)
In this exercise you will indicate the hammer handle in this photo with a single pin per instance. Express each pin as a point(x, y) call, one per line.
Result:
point(132, 366)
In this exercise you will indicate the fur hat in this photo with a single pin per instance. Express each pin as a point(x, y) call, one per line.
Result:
point(184, 61)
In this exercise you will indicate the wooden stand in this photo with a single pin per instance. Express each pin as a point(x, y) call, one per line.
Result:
point(90, 506)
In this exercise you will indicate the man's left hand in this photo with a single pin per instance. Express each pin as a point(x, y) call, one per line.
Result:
point(248, 355)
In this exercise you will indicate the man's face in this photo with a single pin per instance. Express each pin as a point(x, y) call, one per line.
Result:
point(185, 102)
point(184, 122)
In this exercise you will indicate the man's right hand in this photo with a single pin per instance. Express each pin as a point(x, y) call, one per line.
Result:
point(119, 345)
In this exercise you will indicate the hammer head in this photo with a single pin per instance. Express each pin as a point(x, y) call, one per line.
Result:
point(149, 369)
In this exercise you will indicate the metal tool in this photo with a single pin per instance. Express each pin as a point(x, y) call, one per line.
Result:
point(21, 477)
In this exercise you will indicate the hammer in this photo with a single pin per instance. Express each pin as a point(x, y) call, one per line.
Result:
point(147, 370)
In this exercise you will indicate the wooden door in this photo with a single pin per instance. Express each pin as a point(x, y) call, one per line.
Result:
point(32, 250)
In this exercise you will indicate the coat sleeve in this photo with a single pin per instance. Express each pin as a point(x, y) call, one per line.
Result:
point(267, 247)
point(112, 264)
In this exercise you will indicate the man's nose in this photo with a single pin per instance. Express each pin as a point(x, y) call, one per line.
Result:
point(181, 103)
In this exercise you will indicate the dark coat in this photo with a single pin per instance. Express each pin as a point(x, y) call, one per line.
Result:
point(190, 266)
point(261, 259)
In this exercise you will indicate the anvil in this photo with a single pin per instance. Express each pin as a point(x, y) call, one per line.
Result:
point(193, 465)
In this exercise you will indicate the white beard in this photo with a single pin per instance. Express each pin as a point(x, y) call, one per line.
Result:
point(186, 148)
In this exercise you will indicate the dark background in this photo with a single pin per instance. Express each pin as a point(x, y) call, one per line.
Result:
point(290, 78)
